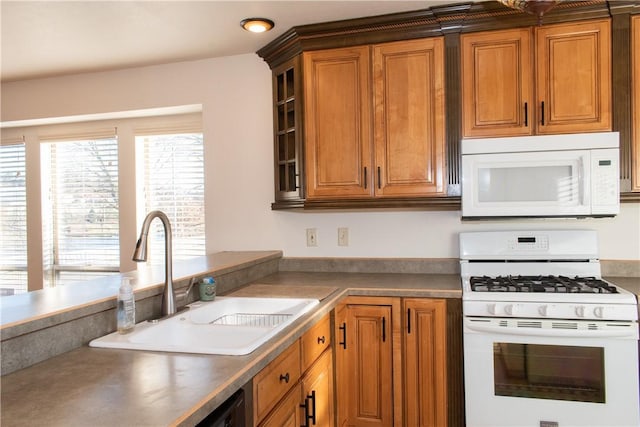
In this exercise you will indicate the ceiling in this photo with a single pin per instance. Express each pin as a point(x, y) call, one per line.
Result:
point(54, 37)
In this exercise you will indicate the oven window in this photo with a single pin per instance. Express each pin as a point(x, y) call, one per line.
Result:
point(549, 372)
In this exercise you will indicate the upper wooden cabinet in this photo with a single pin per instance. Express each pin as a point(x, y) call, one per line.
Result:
point(574, 77)
point(337, 93)
point(409, 126)
point(497, 83)
point(635, 84)
point(566, 66)
point(390, 144)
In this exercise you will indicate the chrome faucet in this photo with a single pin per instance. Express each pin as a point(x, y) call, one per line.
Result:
point(140, 255)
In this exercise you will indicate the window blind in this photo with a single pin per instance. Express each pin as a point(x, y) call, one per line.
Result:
point(13, 219)
point(174, 184)
point(84, 228)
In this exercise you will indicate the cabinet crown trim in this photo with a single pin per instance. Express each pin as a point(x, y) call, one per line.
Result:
point(431, 22)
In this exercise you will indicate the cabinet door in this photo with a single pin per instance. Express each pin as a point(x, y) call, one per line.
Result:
point(425, 362)
point(574, 77)
point(635, 76)
point(410, 125)
point(366, 377)
point(497, 83)
point(317, 393)
point(287, 413)
point(287, 96)
point(337, 99)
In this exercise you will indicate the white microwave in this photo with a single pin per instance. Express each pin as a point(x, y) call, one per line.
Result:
point(574, 175)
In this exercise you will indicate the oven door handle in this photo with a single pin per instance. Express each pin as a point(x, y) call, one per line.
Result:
point(622, 330)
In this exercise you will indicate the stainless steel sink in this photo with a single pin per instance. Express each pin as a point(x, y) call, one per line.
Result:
point(228, 325)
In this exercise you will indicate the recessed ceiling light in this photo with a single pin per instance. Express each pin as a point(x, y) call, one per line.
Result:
point(257, 25)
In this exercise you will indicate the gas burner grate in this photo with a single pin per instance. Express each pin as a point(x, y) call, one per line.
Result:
point(553, 284)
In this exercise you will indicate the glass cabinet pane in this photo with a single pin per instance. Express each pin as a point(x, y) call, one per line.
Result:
point(291, 146)
point(289, 83)
point(280, 88)
point(282, 148)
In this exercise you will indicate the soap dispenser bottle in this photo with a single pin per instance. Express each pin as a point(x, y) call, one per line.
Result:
point(126, 311)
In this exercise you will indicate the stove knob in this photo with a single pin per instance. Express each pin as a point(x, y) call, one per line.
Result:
point(492, 309)
point(598, 312)
point(543, 310)
point(511, 309)
point(580, 310)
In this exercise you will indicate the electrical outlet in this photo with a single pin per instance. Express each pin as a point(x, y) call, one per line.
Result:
point(312, 237)
point(343, 236)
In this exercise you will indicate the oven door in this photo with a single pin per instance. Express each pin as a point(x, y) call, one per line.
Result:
point(550, 183)
point(546, 373)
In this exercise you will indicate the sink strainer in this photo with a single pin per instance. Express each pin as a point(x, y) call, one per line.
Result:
point(246, 319)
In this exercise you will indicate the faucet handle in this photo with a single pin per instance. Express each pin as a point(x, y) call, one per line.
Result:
point(184, 295)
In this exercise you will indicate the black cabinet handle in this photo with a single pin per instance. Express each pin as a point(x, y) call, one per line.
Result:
point(408, 320)
point(542, 113)
point(365, 177)
point(526, 114)
point(321, 340)
point(343, 343)
point(384, 329)
point(309, 415)
point(285, 378)
point(312, 417)
point(305, 406)
point(379, 181)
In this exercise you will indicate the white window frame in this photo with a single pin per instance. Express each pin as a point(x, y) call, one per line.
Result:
point(169, 120)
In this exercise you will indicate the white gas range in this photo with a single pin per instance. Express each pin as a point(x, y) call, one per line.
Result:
point(547, 342)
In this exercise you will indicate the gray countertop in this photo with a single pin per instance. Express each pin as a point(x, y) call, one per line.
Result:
point(104, 387)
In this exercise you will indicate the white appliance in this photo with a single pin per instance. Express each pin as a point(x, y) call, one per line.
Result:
point(573, 175)
point(547, 342)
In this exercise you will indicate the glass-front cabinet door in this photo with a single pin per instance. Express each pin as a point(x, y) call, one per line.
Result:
point(287, 90)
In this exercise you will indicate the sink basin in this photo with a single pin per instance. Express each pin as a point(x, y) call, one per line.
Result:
point(228, 325)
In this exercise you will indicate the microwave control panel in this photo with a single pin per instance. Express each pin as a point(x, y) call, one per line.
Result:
point(604, 180)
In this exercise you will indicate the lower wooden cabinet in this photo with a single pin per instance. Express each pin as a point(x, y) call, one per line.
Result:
point(391, 362)
point(425, 361)
point(317, 393)
point(296, 388)
point(287, 412)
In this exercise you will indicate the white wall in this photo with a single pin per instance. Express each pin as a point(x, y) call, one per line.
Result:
point(235, 93)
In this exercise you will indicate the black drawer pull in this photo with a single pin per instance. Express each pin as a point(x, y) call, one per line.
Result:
point(285, 378)
point(321, 340)
point(343, 343)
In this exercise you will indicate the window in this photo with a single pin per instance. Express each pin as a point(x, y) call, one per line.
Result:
point(172, 176)
point(97, 179)
point(13, 219)
point(81, 229)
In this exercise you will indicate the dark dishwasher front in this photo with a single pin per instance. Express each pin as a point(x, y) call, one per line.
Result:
point(230, 414)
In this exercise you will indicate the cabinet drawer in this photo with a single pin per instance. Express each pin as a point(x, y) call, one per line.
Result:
point(314, 342)
point(275, 380)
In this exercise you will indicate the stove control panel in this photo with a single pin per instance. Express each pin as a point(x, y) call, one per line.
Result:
point(537, 242)
point(550, 310)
